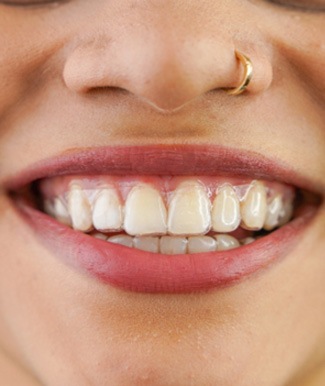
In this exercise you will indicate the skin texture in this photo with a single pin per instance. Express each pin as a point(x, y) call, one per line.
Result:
point(95, 73)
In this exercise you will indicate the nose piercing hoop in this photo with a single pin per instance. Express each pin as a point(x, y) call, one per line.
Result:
point(248, 73)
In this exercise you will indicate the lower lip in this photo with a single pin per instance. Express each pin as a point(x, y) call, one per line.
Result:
point(139, 271)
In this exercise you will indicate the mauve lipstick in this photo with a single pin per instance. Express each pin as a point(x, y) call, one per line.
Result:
point(162, 160)
point(139, 271)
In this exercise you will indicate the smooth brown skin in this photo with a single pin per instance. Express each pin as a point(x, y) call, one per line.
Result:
point(62, 71)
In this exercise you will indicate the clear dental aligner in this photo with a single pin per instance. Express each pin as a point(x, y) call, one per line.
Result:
point(186, 216)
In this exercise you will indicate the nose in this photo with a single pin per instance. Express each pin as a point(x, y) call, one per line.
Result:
point(165, 64)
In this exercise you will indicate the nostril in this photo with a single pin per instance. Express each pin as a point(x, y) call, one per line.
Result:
point(166, 73)
point(84, 70)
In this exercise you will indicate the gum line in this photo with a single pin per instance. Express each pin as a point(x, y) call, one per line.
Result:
point(59, 186)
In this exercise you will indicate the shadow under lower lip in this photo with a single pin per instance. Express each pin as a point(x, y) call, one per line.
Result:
point(139, 271)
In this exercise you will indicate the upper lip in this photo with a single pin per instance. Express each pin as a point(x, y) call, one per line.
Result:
point(163, 160)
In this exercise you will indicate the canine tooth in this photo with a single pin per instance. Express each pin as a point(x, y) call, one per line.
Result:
point(274, 209)
point(247, 240)
point(225, 242)
point(79, 209)
point(146, 243)
point(189, 210)
point(254, 207)
point(225, 210)
point(125, 240)
point(197, 244)
point(286, 213)
point(145, 212)
point(107, 211)
point(172, 245)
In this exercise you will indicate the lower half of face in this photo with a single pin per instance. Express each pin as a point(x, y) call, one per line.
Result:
point(156, 230)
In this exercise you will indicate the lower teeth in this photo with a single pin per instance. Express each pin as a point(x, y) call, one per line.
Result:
point(172, 245)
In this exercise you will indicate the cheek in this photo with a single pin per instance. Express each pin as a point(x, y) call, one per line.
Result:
point(26, 47)
point(302, 43)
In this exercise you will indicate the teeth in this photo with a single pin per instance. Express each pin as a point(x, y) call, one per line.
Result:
point(197, 244)
point(49, 207)
point(274, 210)
point(146, 243)
point(107, 211)
point(247, 240)
point(99, 236)
point(225, 210)
point(225, 242)
point(125, 240)
point(286, 213)
point(190, 213)
point(61, 212)
point(173, 245)
point(79, 209)
point(189, 210)
point(58, 210)
point(254, 207)
point(145, 212)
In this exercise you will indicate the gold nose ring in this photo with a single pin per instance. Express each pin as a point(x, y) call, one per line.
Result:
point(248, 73)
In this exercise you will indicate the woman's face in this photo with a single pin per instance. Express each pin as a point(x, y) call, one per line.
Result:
point(83, 81)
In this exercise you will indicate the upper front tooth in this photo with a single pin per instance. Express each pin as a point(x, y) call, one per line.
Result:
point(145, 212)
point(274, 210)
point(107, 211)
point(225, 210)
point(254, 207)
point(79, 209)
point(189, 210)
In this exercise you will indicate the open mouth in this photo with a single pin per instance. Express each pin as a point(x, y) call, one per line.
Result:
point(143, 226)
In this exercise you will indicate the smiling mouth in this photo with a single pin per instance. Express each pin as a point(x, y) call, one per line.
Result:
point(128, 217)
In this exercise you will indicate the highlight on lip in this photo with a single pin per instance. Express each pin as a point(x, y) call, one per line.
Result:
point(170, 215)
